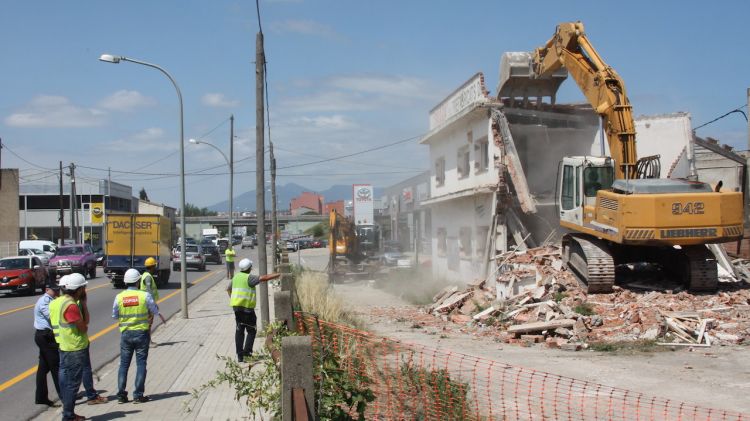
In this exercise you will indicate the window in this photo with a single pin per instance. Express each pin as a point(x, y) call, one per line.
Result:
point(442, 241)
point(463, 162)
point(597, 178)
point(567, 195)
point(440, 171)
point(481, 155)
point(464, 242)
point(481, 240)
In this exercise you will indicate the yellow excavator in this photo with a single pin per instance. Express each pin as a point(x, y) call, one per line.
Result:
point(352, 248)
point(617, 208)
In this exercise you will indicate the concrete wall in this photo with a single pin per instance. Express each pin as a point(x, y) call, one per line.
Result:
point(473, 213)
point(9, 218)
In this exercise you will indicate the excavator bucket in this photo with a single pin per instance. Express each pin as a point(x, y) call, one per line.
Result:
point(517, 80)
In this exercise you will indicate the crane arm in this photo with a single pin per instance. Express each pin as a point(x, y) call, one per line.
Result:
point(602, 86)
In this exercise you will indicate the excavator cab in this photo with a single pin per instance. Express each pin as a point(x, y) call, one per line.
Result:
point(579, 178)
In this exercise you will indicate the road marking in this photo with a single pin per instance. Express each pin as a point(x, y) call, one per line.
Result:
point(32, 305)
point(21, 377)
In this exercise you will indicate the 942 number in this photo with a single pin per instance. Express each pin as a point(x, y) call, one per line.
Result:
point(690, 208)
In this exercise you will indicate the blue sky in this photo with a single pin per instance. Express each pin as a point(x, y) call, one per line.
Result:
point(343, 76)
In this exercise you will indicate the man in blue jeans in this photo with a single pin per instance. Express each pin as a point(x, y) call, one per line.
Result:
point(134, 309)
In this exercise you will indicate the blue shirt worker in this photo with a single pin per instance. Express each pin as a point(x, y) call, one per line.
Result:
point(242, 299)
point(135, 310)
point(49, 351)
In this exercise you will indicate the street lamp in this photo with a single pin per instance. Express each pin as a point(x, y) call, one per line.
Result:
point(230, 164)
point(109, 58)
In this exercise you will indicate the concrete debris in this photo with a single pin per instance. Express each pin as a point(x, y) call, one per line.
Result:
point(533, 299)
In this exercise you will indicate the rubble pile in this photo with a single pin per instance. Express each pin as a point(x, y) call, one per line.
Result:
point(533, 299)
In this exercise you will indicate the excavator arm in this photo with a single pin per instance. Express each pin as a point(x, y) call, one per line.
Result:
point(602, 86)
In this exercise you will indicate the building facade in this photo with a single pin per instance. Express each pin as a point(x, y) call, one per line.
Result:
point(338, 206)
point(40, 208)
point(309, 200)
point(9, 217)
point(404, 220)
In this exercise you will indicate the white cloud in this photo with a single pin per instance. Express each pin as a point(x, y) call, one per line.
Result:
point(125, 100)
point(149, 140)
point(306, 27)
point(49, 111)
point(334, 122)
point(218, 100)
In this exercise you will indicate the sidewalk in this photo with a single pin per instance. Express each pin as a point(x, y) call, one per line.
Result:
point(183, 360)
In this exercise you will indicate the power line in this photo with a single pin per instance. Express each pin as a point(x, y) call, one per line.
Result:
point(349, 162)
point(5, 145)
point(736, 110)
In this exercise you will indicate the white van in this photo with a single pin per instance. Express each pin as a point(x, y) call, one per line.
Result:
point(46, 246)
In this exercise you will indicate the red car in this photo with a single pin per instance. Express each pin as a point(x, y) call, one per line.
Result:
point(22, 274)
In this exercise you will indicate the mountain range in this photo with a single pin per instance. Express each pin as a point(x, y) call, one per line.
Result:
point(285, 194)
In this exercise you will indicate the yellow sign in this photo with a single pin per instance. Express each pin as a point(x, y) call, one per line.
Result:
point(97, 213)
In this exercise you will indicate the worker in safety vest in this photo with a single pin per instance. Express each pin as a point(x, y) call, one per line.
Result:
point(148, 283)
point(242, 299)
point(229, 254)
point(135, 310)
point(70, 329)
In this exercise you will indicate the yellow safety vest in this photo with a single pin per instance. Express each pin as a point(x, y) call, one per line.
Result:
point(229, 254)
point(144, 287)
point(242, 294)
point(131, 304)
point(66, 334)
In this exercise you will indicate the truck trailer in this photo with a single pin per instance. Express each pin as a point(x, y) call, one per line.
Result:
point(131, 239)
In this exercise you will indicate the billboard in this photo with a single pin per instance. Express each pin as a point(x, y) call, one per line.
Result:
point(362, 198)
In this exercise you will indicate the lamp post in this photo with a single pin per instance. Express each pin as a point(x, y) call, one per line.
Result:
point(183, 275)
point(231, 177)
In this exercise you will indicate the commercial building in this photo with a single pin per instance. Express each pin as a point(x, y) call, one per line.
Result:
point(40, 210)
point(9, 221)
point(404, 219)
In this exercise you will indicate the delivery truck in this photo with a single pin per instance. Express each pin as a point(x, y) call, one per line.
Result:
point(131, 239)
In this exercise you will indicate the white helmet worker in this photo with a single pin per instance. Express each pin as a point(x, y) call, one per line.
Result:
point(132, 276)
point(246, 264)
point(73, 281)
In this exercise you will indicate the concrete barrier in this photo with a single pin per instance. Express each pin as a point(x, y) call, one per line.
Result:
point(296, 373)
point(282, 307)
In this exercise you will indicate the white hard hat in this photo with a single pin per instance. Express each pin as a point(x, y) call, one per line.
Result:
point(246, 264)
point(132, 276)
point(73, 281)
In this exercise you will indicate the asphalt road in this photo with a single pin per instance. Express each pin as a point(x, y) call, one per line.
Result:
point(19, 354)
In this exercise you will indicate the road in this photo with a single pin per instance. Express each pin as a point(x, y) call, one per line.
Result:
point(20, 354)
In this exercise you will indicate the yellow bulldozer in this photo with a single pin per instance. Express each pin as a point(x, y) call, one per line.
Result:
point(616, 208)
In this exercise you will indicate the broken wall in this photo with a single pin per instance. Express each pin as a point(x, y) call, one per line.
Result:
point(542, 139)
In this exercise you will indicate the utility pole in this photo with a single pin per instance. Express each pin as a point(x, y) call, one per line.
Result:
point(73, 226)
point(274, 217)
point(260, 189)
point(231, 178)
point(62, 209)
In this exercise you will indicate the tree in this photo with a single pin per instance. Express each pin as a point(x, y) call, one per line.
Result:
point(192, 210)
point(143, 195)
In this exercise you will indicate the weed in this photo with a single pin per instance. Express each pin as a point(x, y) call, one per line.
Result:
point(316, 296)
point(584, 309)
point(440, 393)
point(627, 347)
point(559, 295)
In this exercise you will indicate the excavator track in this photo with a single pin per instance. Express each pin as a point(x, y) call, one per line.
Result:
point(590, 261)
point(702, 274)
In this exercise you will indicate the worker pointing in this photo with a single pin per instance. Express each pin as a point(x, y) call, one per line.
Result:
point(242, 299)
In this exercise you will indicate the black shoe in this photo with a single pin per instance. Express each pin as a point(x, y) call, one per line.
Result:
point(49, 403)
point(122, 399)
point(142, 399)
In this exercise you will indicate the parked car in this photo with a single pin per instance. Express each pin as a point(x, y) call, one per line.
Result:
point(292, 246)
point(248, 242)
point(77, 258)
point(394, 257)
point(236, 240)
point(304, 243)
point(193, 257)
point(255, 239)
point(211, 253)
point(22, 274)
point(44, 245)
point(44, 257)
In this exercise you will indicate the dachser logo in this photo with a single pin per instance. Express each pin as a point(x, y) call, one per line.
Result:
point(139, 225)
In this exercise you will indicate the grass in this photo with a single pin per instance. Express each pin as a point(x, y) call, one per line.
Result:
point(317, 296)
point(584, 309)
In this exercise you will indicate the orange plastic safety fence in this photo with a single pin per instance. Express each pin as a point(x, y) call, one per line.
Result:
point(413, 381)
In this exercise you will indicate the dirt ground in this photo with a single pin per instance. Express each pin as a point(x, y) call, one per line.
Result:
point(717, 377)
